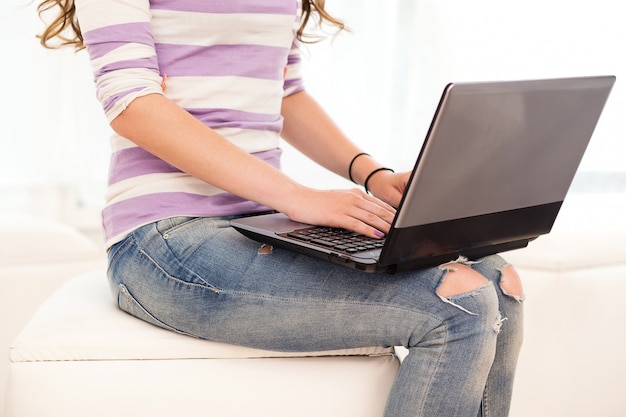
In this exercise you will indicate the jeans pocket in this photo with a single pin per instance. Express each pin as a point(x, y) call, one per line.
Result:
point(130, 305)
point(169, 226)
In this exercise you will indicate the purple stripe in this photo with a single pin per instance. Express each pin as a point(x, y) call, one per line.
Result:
point(129, 214)
point(272, 157)
point(112, 100)
point(255, 61)
point(215, 118)
point(103, 40)
point(295, 83)
point(134, 162)
point(149, 63)
point(294, 59)
point(284, 7)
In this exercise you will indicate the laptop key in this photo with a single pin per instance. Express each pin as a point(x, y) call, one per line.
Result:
point(338, 239)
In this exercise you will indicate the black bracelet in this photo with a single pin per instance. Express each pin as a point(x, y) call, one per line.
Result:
point(374, 172)
point(352, 163)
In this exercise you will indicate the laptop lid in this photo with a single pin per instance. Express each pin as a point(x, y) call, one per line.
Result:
point(492, 173)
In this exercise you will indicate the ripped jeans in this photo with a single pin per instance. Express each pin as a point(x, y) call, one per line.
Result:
point(198, 276)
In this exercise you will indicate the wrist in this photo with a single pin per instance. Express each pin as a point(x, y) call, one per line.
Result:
point(357, 156)
point(293, 205)
point(360, 167)
point(374, 173)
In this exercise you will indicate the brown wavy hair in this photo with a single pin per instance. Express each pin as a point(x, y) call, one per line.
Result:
point(64, 29)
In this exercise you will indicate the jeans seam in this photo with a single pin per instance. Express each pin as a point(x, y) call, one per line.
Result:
point(432, 374)
point(122, 246)
point(184, 222)
point(153, 319)
point(331, 302)
point(206, 285)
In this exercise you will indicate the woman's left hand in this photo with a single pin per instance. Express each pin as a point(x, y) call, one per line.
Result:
point(389, 186)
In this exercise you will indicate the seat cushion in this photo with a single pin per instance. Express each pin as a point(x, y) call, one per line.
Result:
point(29, 240)
point(80, 321)
point(81, 356)
point(589, 233)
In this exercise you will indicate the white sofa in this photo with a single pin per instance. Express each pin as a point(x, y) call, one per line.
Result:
point(103, 363)
point(572, 363)
point(37, 255)
point(82, 355)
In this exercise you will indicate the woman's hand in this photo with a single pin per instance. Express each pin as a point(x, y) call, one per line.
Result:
point(389, 186)
point(348, 209)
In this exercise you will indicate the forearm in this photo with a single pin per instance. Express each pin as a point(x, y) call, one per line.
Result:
point(310, 130)
point(164, 129)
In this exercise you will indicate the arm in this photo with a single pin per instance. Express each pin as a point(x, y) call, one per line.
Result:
point(309, 129)
point(158, 125)
point(119, 37)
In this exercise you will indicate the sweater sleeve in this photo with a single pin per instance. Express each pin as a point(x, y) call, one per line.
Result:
point(293, 72)
point(120, 44)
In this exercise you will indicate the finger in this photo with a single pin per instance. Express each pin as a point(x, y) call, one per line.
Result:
point(379, 208)
point(370, 220)
point(362, 213)
point(375, 200)
point(380, 203)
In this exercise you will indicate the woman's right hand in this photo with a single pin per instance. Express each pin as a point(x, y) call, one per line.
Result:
point(350, 209)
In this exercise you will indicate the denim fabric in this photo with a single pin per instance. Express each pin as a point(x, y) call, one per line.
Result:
point(200, 277)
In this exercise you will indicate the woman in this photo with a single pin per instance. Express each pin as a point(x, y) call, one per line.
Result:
point(198, 94)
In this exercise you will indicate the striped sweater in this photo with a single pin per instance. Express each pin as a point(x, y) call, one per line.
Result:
point(227, 62)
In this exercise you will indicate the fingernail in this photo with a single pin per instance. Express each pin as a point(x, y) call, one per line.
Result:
point(379, 233)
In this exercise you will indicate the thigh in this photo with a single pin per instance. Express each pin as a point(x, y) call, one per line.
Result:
point(497, 269)
point(201, 277)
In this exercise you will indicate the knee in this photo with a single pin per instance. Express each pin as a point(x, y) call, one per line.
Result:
point(511, 283)
point(472, 293)
point(460, 279)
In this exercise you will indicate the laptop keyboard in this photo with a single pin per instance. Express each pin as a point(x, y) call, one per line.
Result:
point(338, 239)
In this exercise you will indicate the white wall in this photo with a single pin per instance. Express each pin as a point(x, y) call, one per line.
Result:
point(381, 82)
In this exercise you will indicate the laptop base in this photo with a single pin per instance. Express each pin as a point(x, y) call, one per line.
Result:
point(371, 266)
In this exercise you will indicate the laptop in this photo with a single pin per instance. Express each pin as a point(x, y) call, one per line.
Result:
point(491, 175)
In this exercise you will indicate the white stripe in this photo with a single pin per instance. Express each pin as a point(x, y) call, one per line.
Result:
point(127, 52)
point(251, 141)
point(290, 91)
point(126, 83)
point(294, 71)
point(237, 93)
point(158, 183)
point(226, 29)
point(119, 143)
point(95, 14)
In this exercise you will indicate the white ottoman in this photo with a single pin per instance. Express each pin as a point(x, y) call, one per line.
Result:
point(82, 356)
point(37, 255)
point(572, 362)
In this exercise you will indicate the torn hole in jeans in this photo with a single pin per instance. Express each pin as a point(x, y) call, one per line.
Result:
point(465, 282)
point(265, 249)
point(511, 283)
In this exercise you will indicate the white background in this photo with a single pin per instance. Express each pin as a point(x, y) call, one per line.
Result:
point(380, 82)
